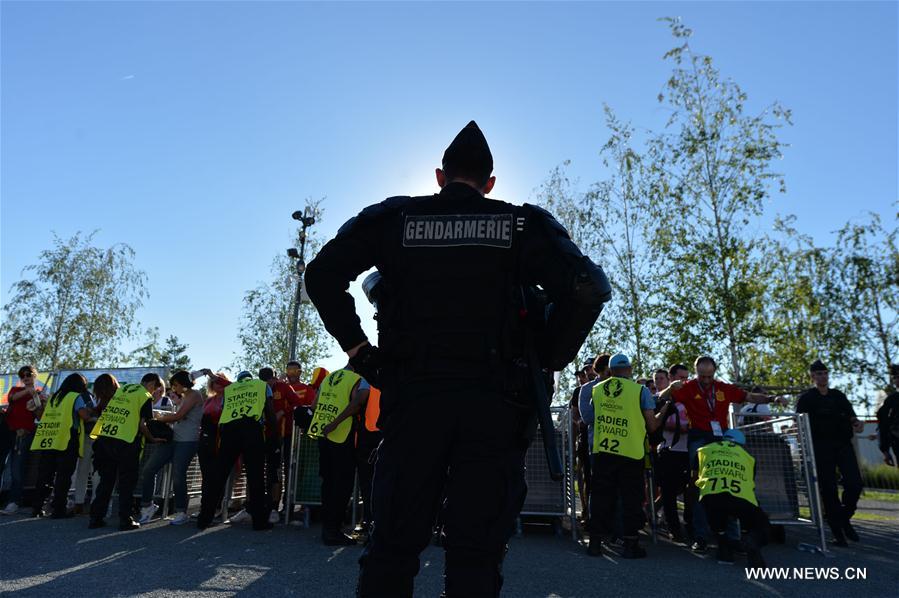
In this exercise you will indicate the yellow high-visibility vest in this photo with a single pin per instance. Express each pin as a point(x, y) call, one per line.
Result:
point(726, 467)
point(244, 399)
point(333, 398)
point(55, 428)
point(121, 418)
point(618, 425)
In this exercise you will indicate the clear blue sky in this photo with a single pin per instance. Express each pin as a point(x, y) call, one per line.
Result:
point(192, 130)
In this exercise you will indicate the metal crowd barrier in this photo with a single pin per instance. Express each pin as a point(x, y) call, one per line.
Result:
point(545, 497)
point(303, 484)
point(194, 479)
point(786, 475)
point(163, 484)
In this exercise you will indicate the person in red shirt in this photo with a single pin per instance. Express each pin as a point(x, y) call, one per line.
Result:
point(207, 448)
point(707, 402)
point(284, 400)
point(305, 392)
point(20, 422)
point(302, 415)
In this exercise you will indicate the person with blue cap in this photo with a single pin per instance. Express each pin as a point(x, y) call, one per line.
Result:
point(726, 485)
point(622, 412)
point(246, 404)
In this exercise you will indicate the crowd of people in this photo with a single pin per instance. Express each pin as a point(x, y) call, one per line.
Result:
point(678, 427)
point(674, 424)
point(99, 432)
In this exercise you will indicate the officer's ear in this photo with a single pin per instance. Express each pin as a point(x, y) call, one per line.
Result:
point(489, 186)
point(441, 178)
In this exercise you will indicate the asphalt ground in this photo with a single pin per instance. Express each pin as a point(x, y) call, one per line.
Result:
point(43, 557)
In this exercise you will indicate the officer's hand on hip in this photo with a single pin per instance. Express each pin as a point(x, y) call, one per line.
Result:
point(365, 360)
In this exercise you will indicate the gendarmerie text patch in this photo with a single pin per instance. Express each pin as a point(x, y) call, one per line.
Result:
point(453, 230)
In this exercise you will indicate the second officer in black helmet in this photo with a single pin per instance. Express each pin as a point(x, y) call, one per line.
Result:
point(454, 266)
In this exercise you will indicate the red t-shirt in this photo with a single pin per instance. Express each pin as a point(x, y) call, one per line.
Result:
point(699, 403)
point(284, 399)
point(305, 393)
point(212, 408)
point(17, 415)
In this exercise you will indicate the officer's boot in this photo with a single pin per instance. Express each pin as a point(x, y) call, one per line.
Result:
point(385, 576)
point(595, 546)
point(468, 574)
point(839, 538)
point(632, 549)
point(725, 550)
point(126, 524)
point(753, 544)
point(96, 522)
point(849, 531)
point(335, 537)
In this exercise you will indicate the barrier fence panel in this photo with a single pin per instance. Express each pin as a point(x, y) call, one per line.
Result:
point(194, 479)
point(162, 484)
point(786, 475)
point(304, 486)
point(546, 497)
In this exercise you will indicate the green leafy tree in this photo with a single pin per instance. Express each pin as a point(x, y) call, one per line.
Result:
point(74, 307)
point(803, 319)
point(174, 354)
point(575, 210)
point(623, 225)
point(867, 269)
point(712, 166)
point(264, 330)
point(148, 354)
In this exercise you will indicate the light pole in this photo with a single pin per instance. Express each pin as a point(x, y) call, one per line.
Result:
point(306, 220)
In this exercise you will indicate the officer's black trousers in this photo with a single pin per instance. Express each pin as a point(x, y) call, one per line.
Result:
point(366, 444)
point(337, 468)
point(468, 441)
point(828, 459)
point(721, 507)
point(117, 462)
point(673, 472)
point(617, 483)
point(60, 464)
point(239, 438)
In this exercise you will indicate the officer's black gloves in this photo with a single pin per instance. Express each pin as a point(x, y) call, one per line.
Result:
point(367, 363)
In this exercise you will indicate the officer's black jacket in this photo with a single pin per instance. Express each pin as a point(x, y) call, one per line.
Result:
point(454, 262)
point(888, 421)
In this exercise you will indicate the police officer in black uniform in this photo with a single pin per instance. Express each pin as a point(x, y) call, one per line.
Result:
point(455, 268)
point(833, 423)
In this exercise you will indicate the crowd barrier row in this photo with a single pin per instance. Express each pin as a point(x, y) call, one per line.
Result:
point(786, 476)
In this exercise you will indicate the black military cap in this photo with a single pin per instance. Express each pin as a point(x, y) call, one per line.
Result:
point(469, 156)
point(817, 366)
